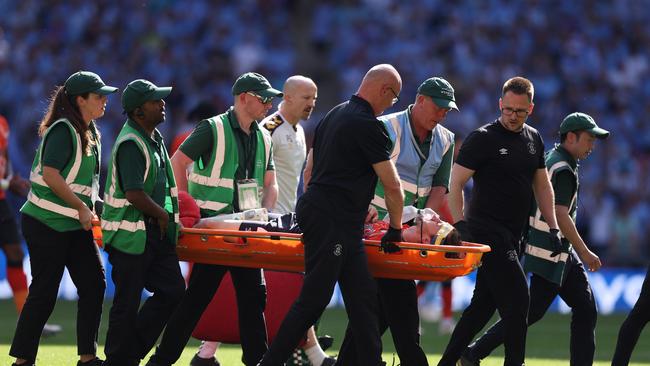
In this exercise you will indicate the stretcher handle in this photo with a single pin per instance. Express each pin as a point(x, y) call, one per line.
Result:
point(467, 247)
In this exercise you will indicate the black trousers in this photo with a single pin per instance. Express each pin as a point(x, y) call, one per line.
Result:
point(333, 252)
point(398, 303)
point(204, 281)
point(576, 292)
point(500, 285)
point(134, 329)
point(631, 329)
point(50, 252)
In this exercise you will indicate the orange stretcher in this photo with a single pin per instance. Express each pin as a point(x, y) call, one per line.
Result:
point(284, 252)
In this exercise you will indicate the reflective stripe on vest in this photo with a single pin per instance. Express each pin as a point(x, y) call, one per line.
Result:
point(536, 221)
point(545, 254)
point(36, 176)
point(51, 206)
point(397, 125)
point(217, 176)
point(127, 236)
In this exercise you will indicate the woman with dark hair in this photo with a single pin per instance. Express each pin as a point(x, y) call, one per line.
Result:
point(56, 219)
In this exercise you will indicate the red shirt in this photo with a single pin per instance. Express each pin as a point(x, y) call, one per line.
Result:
point(377, 230)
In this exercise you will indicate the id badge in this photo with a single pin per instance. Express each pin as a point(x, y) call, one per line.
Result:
point(248, 194)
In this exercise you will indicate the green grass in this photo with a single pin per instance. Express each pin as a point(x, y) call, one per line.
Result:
point(548, 341)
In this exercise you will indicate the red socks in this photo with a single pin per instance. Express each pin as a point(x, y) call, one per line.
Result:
point(18, 283)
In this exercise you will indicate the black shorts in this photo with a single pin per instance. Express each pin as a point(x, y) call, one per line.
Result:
point(8, 227)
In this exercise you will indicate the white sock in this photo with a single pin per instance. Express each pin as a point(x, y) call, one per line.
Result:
point(207, 349)
point(315, 354)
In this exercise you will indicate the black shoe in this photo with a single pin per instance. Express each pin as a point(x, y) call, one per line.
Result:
point(329, 361)
point(94, 362)
point(325, 342)
point(28, 363)
point(122, 362)
point(198, 361)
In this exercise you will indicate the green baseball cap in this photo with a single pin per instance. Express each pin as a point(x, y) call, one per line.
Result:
point(256, 83)
point(82, 82)
point(440, 91)
point(139, 91)
point(582, 122)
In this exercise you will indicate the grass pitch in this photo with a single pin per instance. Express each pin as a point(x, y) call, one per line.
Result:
point(547, 345)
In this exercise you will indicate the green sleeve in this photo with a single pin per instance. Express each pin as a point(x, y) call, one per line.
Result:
point(441, 178)
point(271, 164)
point(57, 147)
point(199, 143)
point(564, 185)
point(131, 164)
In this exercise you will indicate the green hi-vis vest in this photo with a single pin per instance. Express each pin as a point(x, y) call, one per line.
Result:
point(123, 225)
point(80, 174)
point(212, 184)
point(539, 249)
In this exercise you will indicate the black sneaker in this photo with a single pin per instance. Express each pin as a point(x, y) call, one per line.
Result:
point(198, 361)
point(325, 342)
point(94, 362)
point(28, 363)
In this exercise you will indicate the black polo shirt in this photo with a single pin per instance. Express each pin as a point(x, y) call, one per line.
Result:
point(347, 142)
point(505, 163)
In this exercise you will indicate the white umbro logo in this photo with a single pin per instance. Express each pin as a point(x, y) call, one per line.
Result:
point(503, 151)
point(338, 249)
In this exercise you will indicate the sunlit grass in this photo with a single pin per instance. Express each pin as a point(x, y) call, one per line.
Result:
point(548, 341)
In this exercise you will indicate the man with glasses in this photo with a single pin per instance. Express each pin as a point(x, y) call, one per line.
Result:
point(506, 160)
point(351, 150)
point(422, 152)
point(232, 171)
point(558, 271)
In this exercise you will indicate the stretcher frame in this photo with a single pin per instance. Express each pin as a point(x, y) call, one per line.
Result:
point(284, 252)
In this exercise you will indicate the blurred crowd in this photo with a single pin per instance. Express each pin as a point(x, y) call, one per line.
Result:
point(581, 56)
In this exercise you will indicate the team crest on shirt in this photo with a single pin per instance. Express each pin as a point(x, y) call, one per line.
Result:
point(273, 123)
point(512, 255)
point(503, 151)
point(338, 250)
point(531, 148)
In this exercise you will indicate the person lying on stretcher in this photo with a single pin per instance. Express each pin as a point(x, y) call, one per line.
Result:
point(420, 226)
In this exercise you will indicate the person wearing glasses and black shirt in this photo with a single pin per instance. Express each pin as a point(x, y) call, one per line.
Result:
point(559, 273)
point(423, 152)
point(506, 160)
point(232, 169)
point(351, 150)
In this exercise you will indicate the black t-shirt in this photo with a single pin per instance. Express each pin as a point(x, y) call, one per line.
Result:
point(348, 141)
point(505, 163)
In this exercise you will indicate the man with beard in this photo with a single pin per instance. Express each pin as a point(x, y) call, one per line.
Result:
point(140, 228)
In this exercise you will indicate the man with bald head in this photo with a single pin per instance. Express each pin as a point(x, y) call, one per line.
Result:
point(289, 147)
point(351, 150)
